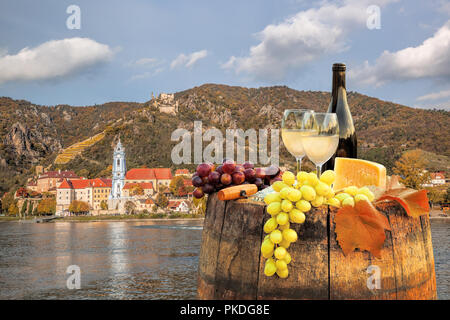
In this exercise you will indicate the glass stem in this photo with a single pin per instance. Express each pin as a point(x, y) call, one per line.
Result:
point(299, 164)
point(319, 170)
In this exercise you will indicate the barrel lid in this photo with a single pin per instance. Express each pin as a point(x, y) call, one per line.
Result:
point(338, 66)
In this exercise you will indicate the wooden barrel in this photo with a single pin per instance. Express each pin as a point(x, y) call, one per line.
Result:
point(231, 266)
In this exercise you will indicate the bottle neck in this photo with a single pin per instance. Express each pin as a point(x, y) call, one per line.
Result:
point(338, 85)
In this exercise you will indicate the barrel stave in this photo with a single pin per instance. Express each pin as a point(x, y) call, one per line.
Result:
point(352, 276)
point(414, 279)
point(211, 238)
point(308, 271)
point(239, 252)
point(232, 267)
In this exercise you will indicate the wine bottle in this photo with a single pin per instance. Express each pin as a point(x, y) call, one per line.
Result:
point(347, 136)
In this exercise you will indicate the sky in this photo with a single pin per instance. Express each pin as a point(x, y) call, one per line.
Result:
point(91, 52)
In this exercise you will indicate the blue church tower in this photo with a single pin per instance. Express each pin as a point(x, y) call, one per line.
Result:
point(118, 172)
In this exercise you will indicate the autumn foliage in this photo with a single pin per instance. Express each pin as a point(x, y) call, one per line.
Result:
point(361, 226)
point(78, 206)
point(46, 206)
point(415, 202)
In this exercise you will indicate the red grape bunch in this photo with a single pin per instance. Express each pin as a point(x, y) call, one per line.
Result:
point(208, 178)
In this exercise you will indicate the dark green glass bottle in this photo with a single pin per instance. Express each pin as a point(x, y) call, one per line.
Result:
point(347, 136)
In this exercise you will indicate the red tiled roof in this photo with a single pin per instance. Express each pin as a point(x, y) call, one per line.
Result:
point(187, 182)
point(437, 175)
point(140, 174)
point(163, 173)
point(149, 201)
point(65, 185)
point(149, 174)
point(80, 183)
point(58, 174)
point(75, 184)
point(144, 185)
point(101, 183)
point(181, 171)
point(173, 203)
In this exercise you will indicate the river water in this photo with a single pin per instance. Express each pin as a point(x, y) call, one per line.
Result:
point(125, 260)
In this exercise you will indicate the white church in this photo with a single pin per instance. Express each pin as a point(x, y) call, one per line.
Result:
point(119, 170)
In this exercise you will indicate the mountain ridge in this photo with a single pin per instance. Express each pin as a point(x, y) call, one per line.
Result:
point(384, 129)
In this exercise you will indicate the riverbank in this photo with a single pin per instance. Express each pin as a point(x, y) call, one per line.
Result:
point(115, 218)
point(438, 215)
point(434, 215)
point(123, 219)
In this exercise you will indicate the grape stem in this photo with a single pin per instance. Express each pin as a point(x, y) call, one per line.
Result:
point(299, 163)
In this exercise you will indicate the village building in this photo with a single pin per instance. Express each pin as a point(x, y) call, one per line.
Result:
point(32, 185)
point(130, 189)
point(91, 191)
point(178, 206)
point(144, 204)
point(437, 178)
point(101, 189)
point(50, 180)
point(182, 172)
point(156, 176)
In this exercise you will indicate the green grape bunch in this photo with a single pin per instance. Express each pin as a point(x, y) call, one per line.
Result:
point(293, 197)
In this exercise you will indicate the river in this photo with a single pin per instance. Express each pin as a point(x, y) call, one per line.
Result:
point(125, 260)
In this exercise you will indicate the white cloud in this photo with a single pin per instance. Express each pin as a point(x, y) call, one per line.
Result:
point(302, 38)
point(53, 59)
point(188, 60)
point(435, 95)
point(146, 61)
point(431, 59)
point(146, 74)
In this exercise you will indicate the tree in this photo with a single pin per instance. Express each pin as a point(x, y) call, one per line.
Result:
point(77, 206)
point(436, 195)
point(46, 206)
point(13, 210)
point(24, 208)
point(411, 169)
point(104, 205)
point(7, 200)
point(176, 185)
point(129, 207)
point(161, 188)
point(161, 201)
point(199, 205)
point(447, 196)
point(30, 208)
point(136, 190)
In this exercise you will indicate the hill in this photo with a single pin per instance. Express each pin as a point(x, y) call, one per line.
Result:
point(33, 134)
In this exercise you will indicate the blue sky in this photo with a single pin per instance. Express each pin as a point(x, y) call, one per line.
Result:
point(125, 50)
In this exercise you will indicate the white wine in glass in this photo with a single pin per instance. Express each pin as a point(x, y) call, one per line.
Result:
point(292, 132)
point(322, 143)
point(320, 147)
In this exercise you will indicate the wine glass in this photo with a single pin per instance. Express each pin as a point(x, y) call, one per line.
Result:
point(292, 132)
point(323, 140)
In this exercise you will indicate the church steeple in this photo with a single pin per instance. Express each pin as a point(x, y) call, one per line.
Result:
point(119, 147)
point(118, 171)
